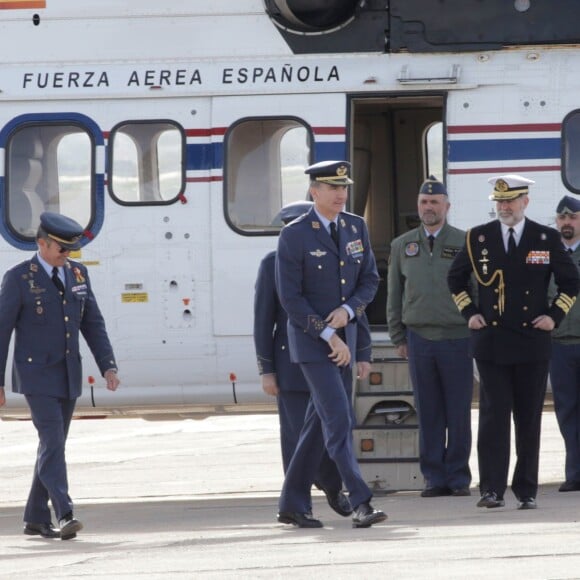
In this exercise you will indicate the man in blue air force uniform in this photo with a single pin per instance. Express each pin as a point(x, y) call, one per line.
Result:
point(513, 259)
point(47, 300)
point(325, 276)
point(284, 379)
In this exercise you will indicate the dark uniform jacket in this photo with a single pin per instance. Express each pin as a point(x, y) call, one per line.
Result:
point(313, 278)
point(47, 329)
point(271, 336)
point(513, 290)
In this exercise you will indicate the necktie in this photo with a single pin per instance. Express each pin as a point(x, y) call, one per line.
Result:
point(334, 233)
point(57, 281)
point(431, 239)
point(511, 243)
point(570, 250)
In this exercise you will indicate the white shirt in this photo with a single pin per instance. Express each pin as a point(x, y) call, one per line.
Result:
point(518, 231)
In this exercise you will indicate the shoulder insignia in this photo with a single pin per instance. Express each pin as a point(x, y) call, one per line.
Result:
point(353, 228)
point(315, 225)
point(318, 253)
point(342, 223)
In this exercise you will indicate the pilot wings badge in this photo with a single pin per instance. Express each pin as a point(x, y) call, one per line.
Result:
point(318, 254)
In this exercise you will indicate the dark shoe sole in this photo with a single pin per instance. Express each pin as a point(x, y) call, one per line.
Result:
point(371, 520)
point(69, 531)
point(288, 519)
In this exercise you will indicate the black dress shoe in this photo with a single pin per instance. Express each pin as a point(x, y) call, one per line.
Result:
point(570, 486)
point(299, 520)
point(527, 503)
point(460, 492)
point(69, 527)
point(435, 491)
point(338, 501)
point(44, 530)
point(490, 500)
point(365, 516)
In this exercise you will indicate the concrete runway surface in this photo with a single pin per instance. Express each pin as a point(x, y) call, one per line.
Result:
point(177, 500)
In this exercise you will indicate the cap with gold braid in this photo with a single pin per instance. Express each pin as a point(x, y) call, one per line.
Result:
point(65, 231)
point(508, 187)
point(331, 172)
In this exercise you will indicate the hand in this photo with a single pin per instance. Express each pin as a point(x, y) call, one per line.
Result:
point(338, 318)
point(340, 353)
point(476, 322)
point(112, 380)
point(269, 384)
point(544, 322)
point(2, 397)
point(363, 369)
point(403, 351)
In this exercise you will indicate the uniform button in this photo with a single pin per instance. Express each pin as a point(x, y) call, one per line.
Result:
point(319, 267)
point(64, 301)
point(525, 324)
point(343, 299)
point(29, 359)
point(67, 351)
point(343, 281)
point(527, 292)
point(496, 291)
point(66, 318)
point(494, 323)
point(68, 334)
point(283, 347)
point(525, 307)
point(495, 306)
point(342, 262)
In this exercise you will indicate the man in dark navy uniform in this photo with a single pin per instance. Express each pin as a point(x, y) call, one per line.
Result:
point(325, 276)
point(513, 259)
point(284, 379)
point(565, 363)
point(47, 300)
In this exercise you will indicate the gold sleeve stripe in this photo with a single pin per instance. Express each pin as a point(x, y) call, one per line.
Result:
point(462, 300)
point(565, 302)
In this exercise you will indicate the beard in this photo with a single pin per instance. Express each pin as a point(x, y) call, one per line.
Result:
point(430, 219)
point(567, 233)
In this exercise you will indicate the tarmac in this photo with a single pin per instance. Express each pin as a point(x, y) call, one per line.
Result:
point(190, 499)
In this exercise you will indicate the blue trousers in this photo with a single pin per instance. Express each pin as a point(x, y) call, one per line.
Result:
point(51, 416)
point(442, 376)
point(292, 407)
point(565, 379)
point(328, 423)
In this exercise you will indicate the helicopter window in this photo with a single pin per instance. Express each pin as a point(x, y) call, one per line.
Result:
point(49, 168)
point(147, 162)
point(434, 150)
point(571, 151)
point(264, 170)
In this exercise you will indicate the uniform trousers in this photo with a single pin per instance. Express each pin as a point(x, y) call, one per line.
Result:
point(442, 376)
point(292, 407)
point(565, 379)
point(518, 388)
point(51, 416)
point(328, 423)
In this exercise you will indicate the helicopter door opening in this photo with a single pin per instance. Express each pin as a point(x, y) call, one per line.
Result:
point(396, 142)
